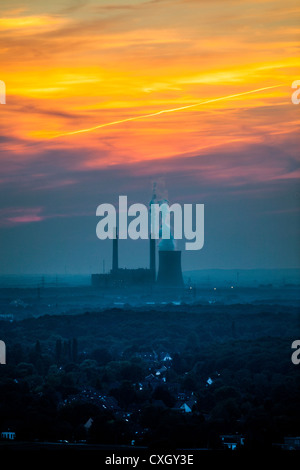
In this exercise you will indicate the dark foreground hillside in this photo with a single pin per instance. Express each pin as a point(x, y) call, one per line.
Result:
point(179, 377)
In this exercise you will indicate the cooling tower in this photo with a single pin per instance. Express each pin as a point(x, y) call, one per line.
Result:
point(169, 271)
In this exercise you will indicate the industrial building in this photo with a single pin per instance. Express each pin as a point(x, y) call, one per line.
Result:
point(169, 268)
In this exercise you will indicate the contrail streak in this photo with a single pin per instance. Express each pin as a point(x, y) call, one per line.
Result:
point(164, 111)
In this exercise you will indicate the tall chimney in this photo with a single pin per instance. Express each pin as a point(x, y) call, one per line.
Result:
point(169, 271)
point(115, 263)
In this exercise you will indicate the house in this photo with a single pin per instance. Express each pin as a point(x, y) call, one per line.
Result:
point(232, 441)
point(149, 378)
point(8, 435)
point(186, 406)
point(290, 443)
point(161, 371)
point(165, 357)
point(151, 382)
point(88, 424)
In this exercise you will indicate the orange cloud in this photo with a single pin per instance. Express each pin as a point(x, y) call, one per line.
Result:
point(134, 64)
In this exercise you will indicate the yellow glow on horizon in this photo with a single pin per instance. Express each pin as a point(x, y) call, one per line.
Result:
point(28, 22)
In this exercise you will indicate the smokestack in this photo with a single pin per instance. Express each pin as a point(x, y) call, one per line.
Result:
point(169, 272)
point(115, 263)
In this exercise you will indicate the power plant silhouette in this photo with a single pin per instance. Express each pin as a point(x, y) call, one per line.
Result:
point(169, 266)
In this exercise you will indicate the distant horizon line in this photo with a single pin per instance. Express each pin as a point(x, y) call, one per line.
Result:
point(184, 271)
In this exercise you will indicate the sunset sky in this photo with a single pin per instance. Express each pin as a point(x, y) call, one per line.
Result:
point(74, 70)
